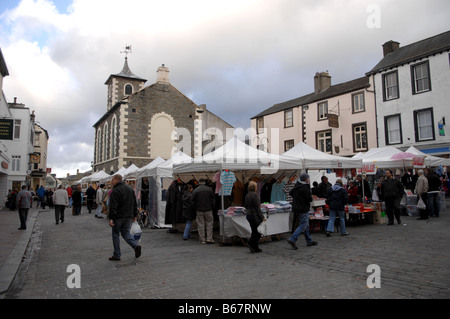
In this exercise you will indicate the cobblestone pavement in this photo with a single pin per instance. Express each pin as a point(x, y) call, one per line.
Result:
point(413, 257)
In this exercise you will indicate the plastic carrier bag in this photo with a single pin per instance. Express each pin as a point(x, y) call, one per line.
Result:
point(136, 231)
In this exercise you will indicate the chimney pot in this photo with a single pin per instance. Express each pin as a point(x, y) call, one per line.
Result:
point(163, 75)
point(322, 81)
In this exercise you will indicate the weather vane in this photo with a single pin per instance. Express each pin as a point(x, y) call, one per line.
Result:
point(127, 50)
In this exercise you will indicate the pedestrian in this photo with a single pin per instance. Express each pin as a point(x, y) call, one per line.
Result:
point(69, 193)
point(99, 201)
point(421, 191)
point(188, 210)
point(254, 216)
point(324, 187)
point(77, 197)
point(23, 202)
point(90, 197)
point(392, 193)
point(60, 200)
point(434, 186)
point(122, 212)
point(338, 198)
point(352, 193)
point(203, 202)
point(364, 192)
point(301, 204)
point(41, 196)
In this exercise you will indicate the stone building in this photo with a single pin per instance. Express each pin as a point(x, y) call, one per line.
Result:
point(142, 123)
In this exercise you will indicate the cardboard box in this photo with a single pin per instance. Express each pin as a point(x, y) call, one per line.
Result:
point(379, 218)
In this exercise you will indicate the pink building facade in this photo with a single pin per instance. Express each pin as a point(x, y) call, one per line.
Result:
point(336, 119)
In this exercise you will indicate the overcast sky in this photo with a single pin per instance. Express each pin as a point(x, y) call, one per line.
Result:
point(238, 57)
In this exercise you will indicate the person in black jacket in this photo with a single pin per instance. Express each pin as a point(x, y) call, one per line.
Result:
point(122, 211)
point(434, 186)
point(254, 216)
point(338, 198)
point(302, 198)
point(203, 201)
point(392, 193)
point(188, 210)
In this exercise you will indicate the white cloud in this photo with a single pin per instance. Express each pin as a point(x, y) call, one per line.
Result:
point(238, 57)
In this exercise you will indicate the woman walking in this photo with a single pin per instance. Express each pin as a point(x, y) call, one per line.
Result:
point(338, 198)
point(254, 216)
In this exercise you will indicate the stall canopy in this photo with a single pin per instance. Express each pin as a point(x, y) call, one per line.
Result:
point(147, 169)
point(430, 161)
point(236, 155)
point(381, 157)
point(309, 157)
point(130, 172)
point(96, 177)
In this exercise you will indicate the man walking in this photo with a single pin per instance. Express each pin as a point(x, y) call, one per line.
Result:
point(203, 202)
point(301, 202)
point(23, 201)
point(392, 193)
point(122, 211)
point(60, 200)
point(99, 201)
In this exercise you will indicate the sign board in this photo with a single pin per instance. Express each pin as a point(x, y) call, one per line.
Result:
point(6, 129)
point(418, 161)
point(368, 169)
point(333, 120)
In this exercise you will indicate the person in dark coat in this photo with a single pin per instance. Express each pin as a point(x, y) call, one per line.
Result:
point(254, 216)
point(434, 186)
point(392, 193)
point(90, 197)
point(324, 187)
point(203, 199)
point(77, 197)
point(188, 210)
point(301, 203)
point(122, 211)
point(338, 198)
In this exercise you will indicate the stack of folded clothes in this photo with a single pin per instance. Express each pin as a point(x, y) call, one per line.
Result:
point(283, 206)
point(268, 208)
point(235, 210)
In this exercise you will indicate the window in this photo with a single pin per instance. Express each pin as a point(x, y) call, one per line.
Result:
point(390, 86)
point(105, 142)
point(260, 125)
point(128, 89)
point(15, 163)
point(289, 118)
point(393, 129)
point(17, 124)
point(421, 77)
point(423, 123)
point(360, 137)
point(322, 111)
point(288, 145)
point(358, 104)
point(324, 141)
point(113, 138)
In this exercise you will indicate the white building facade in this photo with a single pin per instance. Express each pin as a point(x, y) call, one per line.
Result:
point(412, 86)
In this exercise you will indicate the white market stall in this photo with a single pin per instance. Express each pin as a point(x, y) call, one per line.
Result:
point(245, 162)
point(153, 181)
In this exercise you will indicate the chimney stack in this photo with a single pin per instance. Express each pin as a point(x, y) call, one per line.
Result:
point(163, 75)
point(390, 47)
point(322, 81)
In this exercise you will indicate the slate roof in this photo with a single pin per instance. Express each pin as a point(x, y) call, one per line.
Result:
point(412, 52)
point(332, 91)
point(126, 73)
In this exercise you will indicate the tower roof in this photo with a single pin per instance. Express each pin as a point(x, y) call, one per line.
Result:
point(126, 73)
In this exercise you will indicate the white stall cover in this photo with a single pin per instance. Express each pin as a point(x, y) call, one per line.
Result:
point(146, 170)
point(236, 155)
point(381, 157)
point(311, 158)
point(166, 169)
point(430, 160)
point(130, 172)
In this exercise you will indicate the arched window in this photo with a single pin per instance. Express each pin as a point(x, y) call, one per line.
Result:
point(128, 89)
point(105, 142)
point(99, 145)
point(113, 138)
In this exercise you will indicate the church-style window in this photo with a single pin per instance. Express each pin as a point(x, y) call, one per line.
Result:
point(128, 89)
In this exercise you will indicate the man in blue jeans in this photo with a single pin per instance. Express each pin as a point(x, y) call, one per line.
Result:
point(301, 203)
point(122, 211)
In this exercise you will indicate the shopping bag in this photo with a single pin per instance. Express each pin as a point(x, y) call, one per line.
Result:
point(421, 204)
point(262, 228)
point(136, 231)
